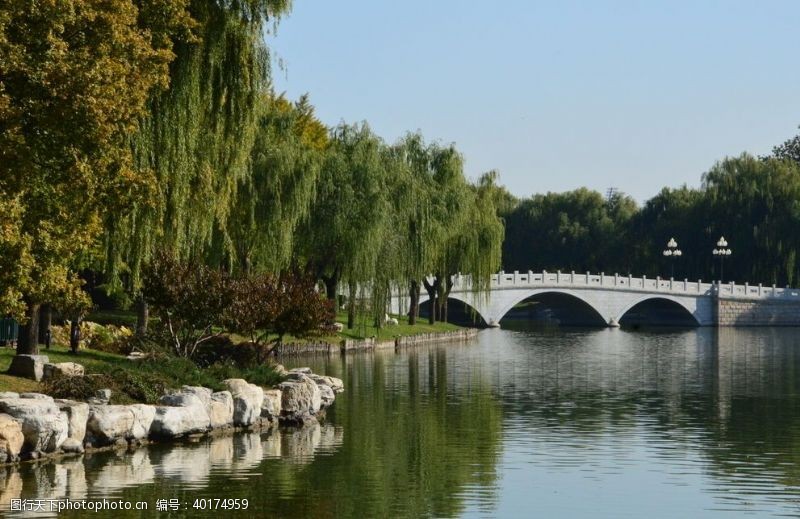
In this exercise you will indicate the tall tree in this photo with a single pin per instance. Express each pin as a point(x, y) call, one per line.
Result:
point(276, 196)
point(75, 79)
point(196, 138)
point(451, 226)
point(473, 247)
point(342, 238)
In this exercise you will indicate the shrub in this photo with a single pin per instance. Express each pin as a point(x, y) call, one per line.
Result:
point(222, 350)
point(125, 385)
point(110, 338)
point(188, 298)
point(78, 388)
point(263, 375)
point(140, 386)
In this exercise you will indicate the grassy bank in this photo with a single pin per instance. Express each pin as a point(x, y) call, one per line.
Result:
point(146, 380)
point(363, 327)
point(129, 380)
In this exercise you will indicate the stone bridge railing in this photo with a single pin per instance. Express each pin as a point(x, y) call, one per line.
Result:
point(516, 280)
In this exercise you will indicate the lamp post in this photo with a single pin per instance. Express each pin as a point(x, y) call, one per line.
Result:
point(722, 251)
point(672, 251)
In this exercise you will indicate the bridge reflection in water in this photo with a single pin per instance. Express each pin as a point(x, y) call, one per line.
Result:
point(578, 423)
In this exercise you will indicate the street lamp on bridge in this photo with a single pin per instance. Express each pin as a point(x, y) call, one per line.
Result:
point(672, 251)
point(722, 251)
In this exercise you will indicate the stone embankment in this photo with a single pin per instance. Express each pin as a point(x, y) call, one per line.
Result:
point(33, 425)
point(373, 344)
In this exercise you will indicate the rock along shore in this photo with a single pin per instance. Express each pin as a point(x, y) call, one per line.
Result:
point(34, 425)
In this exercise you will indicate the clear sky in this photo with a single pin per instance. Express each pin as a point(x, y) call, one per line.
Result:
point(556, 94)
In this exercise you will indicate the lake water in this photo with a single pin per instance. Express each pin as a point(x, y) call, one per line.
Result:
point(559, 423)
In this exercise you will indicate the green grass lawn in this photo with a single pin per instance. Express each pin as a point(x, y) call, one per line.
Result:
point(146, 381)
point(93, 361)
point(363, 329)
point(117, 317)
point(130, 380)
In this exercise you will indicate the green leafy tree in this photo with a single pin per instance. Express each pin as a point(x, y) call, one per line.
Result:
point(75, 78)
point(196, 140)
point(577, 230)
point(276, 196)
point(348, 221)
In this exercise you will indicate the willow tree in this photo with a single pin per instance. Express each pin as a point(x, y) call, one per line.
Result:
point(401, 256)
point(422, 225)
point(451, 226)
point(473, 246)
point(196, 138)
point(75, 78)
point(343, 235)
point(276, 196)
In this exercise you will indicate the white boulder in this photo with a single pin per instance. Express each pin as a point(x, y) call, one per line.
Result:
point(203, 393)
point(77, 414)
point(62, 369)
point(220, 409)
point(11, 438)
point(28, 366)
point(110, 423)
point(72, 446)
point(334, 383)
point(247, 400)
point(299, 395)
point(271, 407)
point(185, 413)
point(44, 427)
point(327, 396)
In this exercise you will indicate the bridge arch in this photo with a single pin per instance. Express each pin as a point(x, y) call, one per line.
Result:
point(468, 302)
point(690, 314)
point(594, 309)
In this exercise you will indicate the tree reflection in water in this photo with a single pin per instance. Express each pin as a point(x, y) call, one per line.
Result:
point(686, 422)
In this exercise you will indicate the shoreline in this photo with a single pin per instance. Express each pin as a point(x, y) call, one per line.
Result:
point(349, 346)
point(37, 427)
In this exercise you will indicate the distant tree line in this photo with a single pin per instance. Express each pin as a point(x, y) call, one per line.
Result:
point(753, 202)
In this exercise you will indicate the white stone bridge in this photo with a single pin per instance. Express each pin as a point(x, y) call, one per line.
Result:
point(611, 297)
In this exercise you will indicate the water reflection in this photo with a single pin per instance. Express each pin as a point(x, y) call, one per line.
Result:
point(558, 423)
point(612, 423)
point(140, 473)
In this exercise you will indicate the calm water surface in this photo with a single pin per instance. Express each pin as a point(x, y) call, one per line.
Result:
point(589, 423)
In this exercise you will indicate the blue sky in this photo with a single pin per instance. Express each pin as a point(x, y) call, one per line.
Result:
point(559, 94)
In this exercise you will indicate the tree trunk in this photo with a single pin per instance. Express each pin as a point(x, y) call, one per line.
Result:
point(331, 284)
point(444, 296)
point(142, 316)
point(28, 343)
point(413, 293)
point(432, 289)
point(74, 334)
point(45, 320)
point(351, 305)
point(247, 264)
